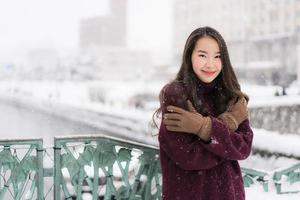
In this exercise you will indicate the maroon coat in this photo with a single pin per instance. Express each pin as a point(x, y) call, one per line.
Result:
point(194, 170)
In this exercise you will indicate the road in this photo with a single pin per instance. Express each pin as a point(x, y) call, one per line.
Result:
point(19, 122)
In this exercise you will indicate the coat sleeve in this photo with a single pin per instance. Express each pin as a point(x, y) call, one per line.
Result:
point(185, 150)
point(232, 145)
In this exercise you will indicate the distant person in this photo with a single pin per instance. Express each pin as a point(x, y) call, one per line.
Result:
point(205, 128)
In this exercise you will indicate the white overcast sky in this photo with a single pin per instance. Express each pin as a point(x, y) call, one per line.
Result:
point(54, 23)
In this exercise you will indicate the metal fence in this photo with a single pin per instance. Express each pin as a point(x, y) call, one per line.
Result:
point(97, 167)
point(21, 169)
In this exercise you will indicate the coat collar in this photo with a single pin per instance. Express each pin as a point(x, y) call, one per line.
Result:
point(204, 88)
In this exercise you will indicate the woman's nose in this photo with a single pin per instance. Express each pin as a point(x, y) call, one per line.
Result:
point(209, 63)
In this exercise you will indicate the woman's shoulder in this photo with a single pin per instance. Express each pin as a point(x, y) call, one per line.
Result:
point(174, 88)
point(174, 93)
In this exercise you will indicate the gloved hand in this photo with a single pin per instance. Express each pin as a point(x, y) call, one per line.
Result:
point(236, 114)
point(180, 120)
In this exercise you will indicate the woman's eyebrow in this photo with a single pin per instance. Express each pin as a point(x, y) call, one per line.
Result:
point(202, 51)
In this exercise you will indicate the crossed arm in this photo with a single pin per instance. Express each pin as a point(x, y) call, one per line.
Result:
point(179, 134)
point(190, 121)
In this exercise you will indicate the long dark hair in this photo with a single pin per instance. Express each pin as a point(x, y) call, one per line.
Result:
point(227, 85)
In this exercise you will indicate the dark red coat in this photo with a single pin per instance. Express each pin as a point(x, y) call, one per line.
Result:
point(194, 170)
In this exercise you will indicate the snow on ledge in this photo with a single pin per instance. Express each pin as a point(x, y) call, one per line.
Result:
point(274, 142)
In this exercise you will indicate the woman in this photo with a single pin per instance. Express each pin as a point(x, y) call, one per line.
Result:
point(205, 130)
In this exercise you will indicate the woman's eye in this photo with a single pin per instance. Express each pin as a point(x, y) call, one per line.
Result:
point(219, 56)
point(201, 55)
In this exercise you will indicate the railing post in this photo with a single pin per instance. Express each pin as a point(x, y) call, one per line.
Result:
point(57, 170)
point(40, 173)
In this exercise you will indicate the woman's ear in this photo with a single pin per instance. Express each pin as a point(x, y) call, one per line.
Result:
point(246, 97)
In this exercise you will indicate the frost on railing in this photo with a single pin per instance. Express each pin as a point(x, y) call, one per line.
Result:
point(21, 168)
point(285, 180)
point(105, 167)
point(288, 176)
point(252, 177)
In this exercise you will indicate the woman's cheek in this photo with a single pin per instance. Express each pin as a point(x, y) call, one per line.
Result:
point(219, 64)
point(202, 61)
point(198, 63)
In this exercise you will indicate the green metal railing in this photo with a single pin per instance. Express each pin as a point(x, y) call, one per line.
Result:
point(21, 167)
point(251, 176)
point(105, 166)
point(290, 175)
point(98, 167)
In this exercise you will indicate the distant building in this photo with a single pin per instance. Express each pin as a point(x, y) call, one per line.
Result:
point(227, 16)
point(108, 30)
point(103, 40)
point(120, 63)
point(262, 36)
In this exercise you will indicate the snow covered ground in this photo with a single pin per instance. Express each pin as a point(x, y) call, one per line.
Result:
point(119, 99)
point(264, 95)
point(256, 192)
point(269, 165)
point(119, 94)
point(273, 141)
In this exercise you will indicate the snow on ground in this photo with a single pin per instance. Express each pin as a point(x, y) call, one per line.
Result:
point(264, 95)
point(267, 164)
point(114, 94)
point(119, 94)
point(272, 142)
point(255, 192)
point(287, 144)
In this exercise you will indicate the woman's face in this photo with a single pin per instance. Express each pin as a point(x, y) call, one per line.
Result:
point(206, 59)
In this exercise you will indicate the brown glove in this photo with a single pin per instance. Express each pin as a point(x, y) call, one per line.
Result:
point(236, 114)
point(204, 130)
point(180, 120)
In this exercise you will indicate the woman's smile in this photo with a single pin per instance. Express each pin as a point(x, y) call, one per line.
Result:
point(206, 60)
point(207, 73)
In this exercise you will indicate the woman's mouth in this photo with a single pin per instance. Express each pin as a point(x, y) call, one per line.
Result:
point(208, 73)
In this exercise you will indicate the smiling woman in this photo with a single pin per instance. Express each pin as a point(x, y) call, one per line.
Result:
point(206, 59)
point(205, 128)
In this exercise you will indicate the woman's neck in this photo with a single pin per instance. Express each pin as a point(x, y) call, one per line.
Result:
point(206, 87)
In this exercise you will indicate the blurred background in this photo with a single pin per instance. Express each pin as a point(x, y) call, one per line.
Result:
point(97, 66)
